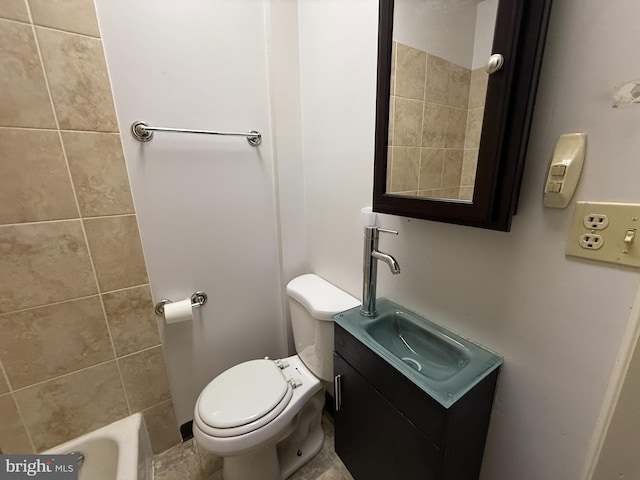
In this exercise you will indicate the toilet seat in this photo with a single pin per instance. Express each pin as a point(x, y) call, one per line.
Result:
point(243, 399)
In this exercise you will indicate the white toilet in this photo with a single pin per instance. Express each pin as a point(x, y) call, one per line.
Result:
point(263, 416)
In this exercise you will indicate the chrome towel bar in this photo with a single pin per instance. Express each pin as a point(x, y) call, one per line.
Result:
point(143, 132)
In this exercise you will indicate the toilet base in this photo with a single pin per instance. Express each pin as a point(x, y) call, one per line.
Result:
point(259, 465)
point(300, 442)
point(306, 440)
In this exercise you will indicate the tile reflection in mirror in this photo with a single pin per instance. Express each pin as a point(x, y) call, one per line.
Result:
point(434, 125)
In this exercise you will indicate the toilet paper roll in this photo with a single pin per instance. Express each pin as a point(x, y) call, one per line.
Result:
point(178, 311)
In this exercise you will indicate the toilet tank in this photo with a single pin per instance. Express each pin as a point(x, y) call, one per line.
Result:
point(312, 302)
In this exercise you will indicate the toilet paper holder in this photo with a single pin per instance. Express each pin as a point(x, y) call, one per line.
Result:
point(198, 299)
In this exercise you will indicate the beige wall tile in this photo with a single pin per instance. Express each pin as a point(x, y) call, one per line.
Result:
point(77, 16)
point(389, 169)
point(392, 106)
point(162, 426)
point(394, 50)
point(452, 193)
point(437, 83)
point(145, 378)
point(407, 122)
point(469, 165)
point(466, 193)
point(428, 193)
point(434, 125)
point(99, 173)
point(456, 128)
point(116, 252)
point(452, 168)
point(24, 101)
point(431, 160)
point(42, 263)
point(473, 128)
point(66, 407)
point(459, 84)
point(13, 435)
point(132, 320)
point(43, 343)
point(411, 65)
point(14, 9)
point(34, 180)
point(78, 79)
point(406, 164)
point(406, 193)
point(478, 88)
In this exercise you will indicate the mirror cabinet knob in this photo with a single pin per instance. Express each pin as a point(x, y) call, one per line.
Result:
point(494, 63)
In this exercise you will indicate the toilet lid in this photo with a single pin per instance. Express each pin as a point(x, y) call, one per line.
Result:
point(242, 394)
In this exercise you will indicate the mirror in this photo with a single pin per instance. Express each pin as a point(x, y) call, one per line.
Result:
point(450, 137)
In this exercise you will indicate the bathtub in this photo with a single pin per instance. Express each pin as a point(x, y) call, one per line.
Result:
point(118, 451)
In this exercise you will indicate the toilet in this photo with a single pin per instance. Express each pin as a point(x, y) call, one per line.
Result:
point(263, 416)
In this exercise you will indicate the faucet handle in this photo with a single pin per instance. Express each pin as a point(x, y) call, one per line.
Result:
point(371, 231)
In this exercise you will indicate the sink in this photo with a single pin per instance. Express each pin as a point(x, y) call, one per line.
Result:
point(433, 354)
point(441, 363)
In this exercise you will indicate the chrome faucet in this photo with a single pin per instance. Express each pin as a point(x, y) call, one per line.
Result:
point(370, 268)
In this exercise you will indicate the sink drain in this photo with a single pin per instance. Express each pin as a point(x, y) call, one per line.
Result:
point(412, 363)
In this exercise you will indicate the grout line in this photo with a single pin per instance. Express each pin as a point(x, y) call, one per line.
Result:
point(4, 127)
point(117, 215)
point(115, 354)
point(156, 404)
point(41, 222)
point(73, 299)
point(64, 130)
point(91, 217)
point(13, 20)
point(140, 351)
point(49, 304)
point(127, 288)
point(42, 382)
point(3, 373)
point(24, 424)
point(31, 23)
point(69, 32)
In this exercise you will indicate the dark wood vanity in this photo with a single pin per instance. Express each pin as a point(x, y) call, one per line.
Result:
point(387, 428)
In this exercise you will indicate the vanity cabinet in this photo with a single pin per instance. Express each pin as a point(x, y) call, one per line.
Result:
point(386, 427)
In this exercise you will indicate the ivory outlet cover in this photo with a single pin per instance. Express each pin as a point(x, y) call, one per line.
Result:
point(606, 232)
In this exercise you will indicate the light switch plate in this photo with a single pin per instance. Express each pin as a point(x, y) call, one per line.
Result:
point(589, 239)
point(564, 170)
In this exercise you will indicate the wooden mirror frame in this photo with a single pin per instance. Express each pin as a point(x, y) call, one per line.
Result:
point(520, 33)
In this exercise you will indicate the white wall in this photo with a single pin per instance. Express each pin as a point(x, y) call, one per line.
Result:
point(485, 26)
point(206, 205)
point(557, 321)
point(441, 27)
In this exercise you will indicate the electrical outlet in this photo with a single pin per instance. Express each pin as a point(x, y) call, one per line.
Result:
point(596, 221)
point(591, 241)
point(605, 232)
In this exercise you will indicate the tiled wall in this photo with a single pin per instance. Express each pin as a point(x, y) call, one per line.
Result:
point(436, 112)
point(79, 345)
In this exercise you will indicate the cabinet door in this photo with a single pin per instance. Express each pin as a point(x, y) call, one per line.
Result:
point(373, 439)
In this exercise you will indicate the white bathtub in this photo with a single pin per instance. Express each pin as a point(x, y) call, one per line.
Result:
point(119, 451)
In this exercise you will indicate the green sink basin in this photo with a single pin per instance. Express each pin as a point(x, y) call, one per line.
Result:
point(441, 363)
point(433, 354)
